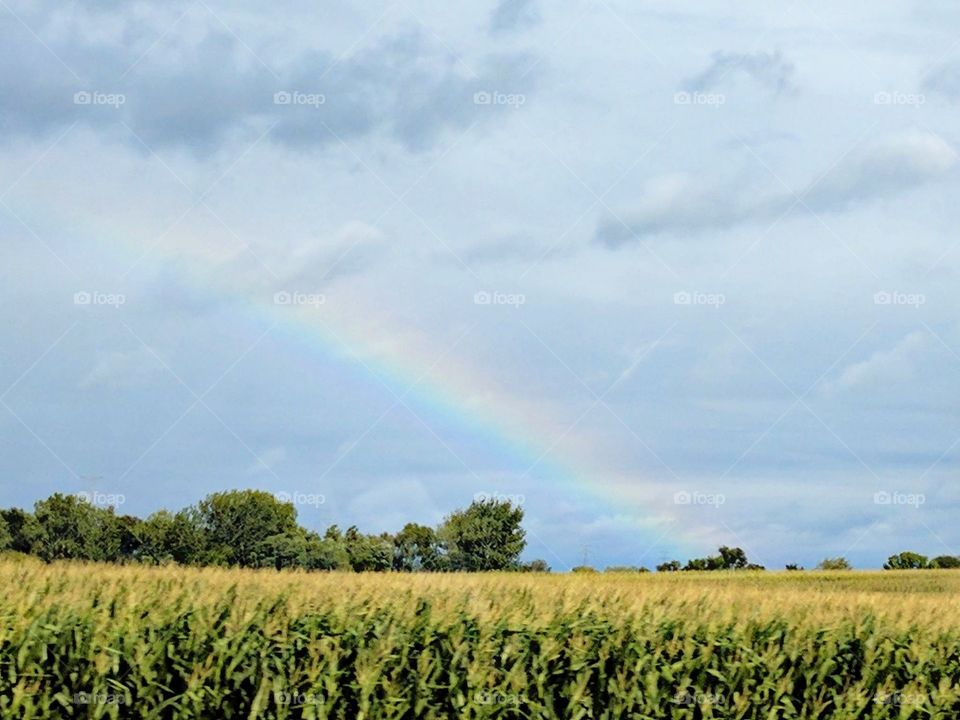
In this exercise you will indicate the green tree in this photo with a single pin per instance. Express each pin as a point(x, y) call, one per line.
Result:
point(906, 561)
point(416, 548)
point(168, 537)
point(70, 528)
point(238, 521)
point(669, 566)
point(536, 566)
point(485, 536)
point(732, 558)
point(837, 563)
point(6, 537)
point(945, 561)
point(368, 553)
point(24, 530)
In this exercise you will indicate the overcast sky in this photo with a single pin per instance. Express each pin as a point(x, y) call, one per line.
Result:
point(674, 275)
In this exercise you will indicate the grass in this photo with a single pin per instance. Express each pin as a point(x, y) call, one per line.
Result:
point(106, 641)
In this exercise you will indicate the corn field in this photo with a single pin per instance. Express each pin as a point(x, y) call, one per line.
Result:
point(127, 642)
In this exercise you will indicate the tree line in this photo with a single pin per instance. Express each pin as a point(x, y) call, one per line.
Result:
point(255, 529)
point(252, 528)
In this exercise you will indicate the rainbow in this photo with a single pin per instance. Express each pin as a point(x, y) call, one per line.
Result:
point(452, 394)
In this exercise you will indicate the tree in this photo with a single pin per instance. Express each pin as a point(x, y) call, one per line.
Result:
point(368, 552)
point(906, 561)
point(837, 563)
point(416, 548)
point(70, 528)
point(793, 566)
point(624, 569)
point(536, 566)
point(24, 530)
point(669, 566)
point(485, 536)
point(583, 569)
point(127, 537)
point(238, 521)
point(945, 561)
point(167, 537)
point(6, 538)
point(322, 553)
point(732, 558)
point(728, 559)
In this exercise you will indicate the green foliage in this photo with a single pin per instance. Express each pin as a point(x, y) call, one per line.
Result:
point(536, 566)
point(727, 559)
point(583, 569)
point(70, 528)
point(417, 548)
point(6, 537)
point(837, 563)
point(24, 530)
point(237, 522)
point(166, 537)
point(485, 536)
point(906, 561)
point(368, 553)
point(669, 566)
point(945, 562)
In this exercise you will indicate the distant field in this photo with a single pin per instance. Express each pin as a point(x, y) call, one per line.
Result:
point(104, 641)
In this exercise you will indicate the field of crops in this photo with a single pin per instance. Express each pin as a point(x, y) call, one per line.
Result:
point(104, 641)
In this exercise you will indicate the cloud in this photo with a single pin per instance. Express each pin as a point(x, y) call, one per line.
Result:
point(120, 369)
point(768, 69)
point(888, 168)
point(681, 203)
point(883, 368)
point(944, 80)
point(514, 15)
point(200, 87)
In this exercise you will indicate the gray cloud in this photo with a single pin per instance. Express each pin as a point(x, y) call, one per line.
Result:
point(683, 204)
point(944, 80)
point(197, 94)
point(767, 69)
point(513, 15)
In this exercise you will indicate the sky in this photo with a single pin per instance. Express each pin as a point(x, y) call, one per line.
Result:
point(669, 275)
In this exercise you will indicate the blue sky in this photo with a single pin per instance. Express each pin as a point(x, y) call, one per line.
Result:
point(675, 275)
